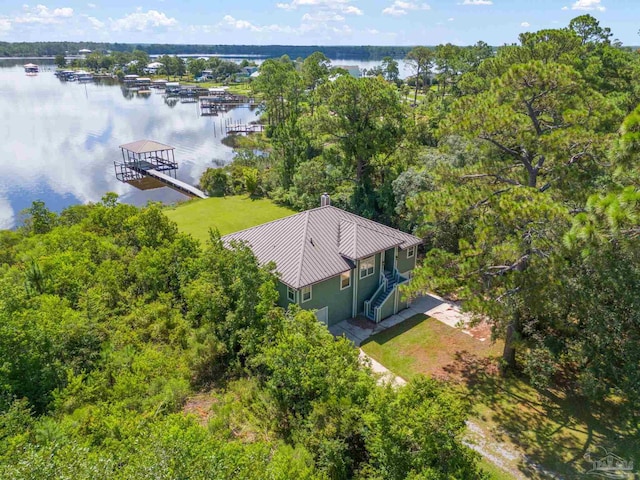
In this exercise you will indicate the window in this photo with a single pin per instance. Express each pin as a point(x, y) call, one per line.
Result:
point(411, 251)
point(345, 280)
point(367, 266)
point(291, 294)
point(306, 294)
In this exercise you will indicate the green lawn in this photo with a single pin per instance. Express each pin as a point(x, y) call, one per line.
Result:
point(423, 345)
point(551, 427)
point(227, 214)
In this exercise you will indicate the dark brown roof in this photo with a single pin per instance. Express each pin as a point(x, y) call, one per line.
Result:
point(318, 244)
point(145, 146)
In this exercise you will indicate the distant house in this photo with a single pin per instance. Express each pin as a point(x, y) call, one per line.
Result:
point(248, 71)
point(334, 262)
point(132, 65)
point(152, 68)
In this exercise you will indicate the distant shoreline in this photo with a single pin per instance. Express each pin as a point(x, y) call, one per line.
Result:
point(334, 52)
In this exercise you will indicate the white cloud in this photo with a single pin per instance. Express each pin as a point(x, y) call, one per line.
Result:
point(451, 19)
point(63, 12)
point(286, 6)
point(95, 23)
point(343, 6)
point(587, 5)
point(400, 7)
point(141, 21)
point(477, 2)
point(230, 21)
point(5, 26)
point(42, 14)
point(91, 5)
point(239, 24)
point(525, 24)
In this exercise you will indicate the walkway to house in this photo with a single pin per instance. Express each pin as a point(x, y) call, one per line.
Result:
point(359, 329)
point(493, 450)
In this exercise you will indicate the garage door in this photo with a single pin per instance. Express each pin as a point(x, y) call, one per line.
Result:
point(323, 315)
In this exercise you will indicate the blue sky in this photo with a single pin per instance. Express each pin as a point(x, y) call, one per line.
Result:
point(307, 22)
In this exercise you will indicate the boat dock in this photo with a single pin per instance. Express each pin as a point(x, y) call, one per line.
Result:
point(244, 128)
point(222, 102)
point(163, 180)
point(147, 165)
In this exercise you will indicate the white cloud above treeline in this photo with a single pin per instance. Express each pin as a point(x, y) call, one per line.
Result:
point(400, 7)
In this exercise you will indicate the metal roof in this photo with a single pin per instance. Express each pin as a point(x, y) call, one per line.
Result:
point(318, 244)
point(145, 146)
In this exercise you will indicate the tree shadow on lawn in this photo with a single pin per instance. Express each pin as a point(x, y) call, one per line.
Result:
point(552, 426)
point(397, 330)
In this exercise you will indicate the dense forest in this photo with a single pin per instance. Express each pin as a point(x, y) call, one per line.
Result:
point(130, 350)
point(519, 169)
point(357, 52)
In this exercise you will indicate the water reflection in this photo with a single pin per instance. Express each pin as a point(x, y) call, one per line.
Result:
point(58, 139)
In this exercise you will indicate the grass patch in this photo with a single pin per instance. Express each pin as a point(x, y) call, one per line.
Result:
point(424, 346)
point(494, 472)
point(553, 428)
point(227, 214)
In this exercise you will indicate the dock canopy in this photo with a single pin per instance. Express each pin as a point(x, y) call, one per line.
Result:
point(143, 157)
point(146, 146)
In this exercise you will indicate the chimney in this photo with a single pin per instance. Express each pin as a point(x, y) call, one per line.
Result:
point(325, 200)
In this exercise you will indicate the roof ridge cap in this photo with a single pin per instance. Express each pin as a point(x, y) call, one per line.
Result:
point(302, 248)
point(266, 223)
point(382, 232)
point(355, 239)
point(368, 221)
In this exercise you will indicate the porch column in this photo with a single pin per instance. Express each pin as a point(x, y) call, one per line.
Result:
point(356, 277)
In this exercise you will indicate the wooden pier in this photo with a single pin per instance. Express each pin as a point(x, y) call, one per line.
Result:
point(244, 128)
point(147, 165)
point(214, 104)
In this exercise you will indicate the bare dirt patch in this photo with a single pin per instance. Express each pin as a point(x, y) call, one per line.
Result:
point(200, 406)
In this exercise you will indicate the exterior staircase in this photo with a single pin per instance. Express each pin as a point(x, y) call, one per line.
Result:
point(391, 283)
point(388, 284)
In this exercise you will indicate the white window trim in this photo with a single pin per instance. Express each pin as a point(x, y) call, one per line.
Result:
point(412, 250)
point(373, 270)
point(348, 286)
point(302, 300)
point(290, 291)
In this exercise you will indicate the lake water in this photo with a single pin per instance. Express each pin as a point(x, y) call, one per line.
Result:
point(58, 140)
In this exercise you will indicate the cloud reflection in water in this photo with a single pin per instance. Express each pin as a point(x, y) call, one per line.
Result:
point(58, 140)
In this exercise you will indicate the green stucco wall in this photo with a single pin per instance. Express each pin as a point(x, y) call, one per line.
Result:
point(328, 294)
point(282, 298)
point(405, 264)
point(367, 286)
point(387, 307)
point(325, 294)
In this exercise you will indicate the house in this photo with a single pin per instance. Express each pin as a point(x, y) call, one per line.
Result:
point(248, 71)
point(334, 262)
point(152, 68)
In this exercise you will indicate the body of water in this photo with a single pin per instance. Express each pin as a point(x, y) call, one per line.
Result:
point(58, 140)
